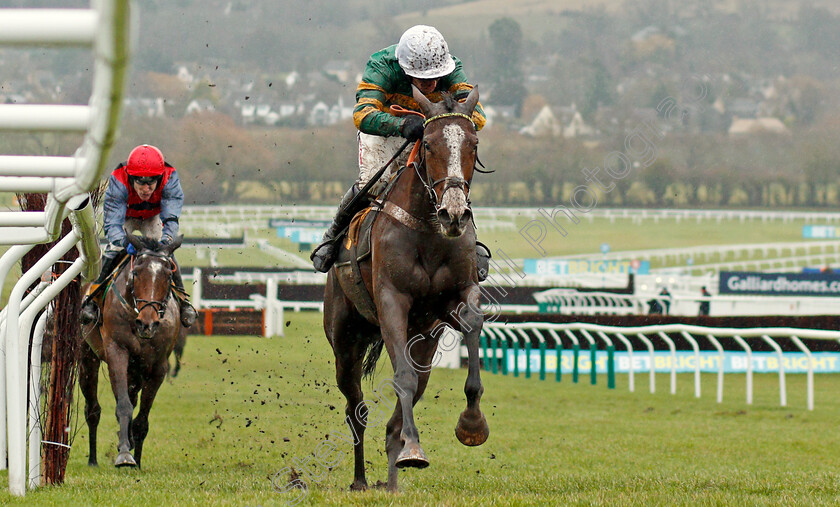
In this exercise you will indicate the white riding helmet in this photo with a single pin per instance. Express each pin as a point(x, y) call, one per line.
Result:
point(423, 53)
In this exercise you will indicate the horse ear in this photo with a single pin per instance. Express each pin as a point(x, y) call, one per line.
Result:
point(171, 247)
point(425, 104)
point(472, 99)
point(135, 240)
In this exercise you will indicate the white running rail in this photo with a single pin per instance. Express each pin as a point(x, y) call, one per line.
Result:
point(770, 336)
point(104, 29)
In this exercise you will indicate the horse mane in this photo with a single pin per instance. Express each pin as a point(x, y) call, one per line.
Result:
point(449, 101)
point(149, 243)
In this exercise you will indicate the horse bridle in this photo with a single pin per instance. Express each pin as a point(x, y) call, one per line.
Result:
point(158, 305)
point(448, 181)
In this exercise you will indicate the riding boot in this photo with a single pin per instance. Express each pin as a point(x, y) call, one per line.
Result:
point(324, 254)
point(482, 254)
point(188, 313)
point(90, 310)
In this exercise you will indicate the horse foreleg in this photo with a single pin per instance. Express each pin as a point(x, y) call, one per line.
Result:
point(88, 384)
point(472, 428)
point(421, 353)
point(117, 358)
point(140, 424)
point(393, 310)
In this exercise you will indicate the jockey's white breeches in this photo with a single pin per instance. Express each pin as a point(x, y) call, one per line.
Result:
point(374, 152)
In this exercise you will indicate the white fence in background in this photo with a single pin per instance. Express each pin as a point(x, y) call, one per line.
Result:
point(104, 29)
point(572, 302)
point(610, 336)
point(248, 215)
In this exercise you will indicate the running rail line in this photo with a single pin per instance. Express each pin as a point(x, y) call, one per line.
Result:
point(498, 340)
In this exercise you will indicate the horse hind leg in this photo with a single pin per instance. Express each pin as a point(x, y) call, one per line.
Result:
point(348, 374)
point(88, 384)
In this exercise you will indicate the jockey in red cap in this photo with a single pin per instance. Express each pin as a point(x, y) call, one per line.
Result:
point(144, 193)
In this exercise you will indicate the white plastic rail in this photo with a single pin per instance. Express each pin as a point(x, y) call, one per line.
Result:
point(771, 336)
point(104, 28)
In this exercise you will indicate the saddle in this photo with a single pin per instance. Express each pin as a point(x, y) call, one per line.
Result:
point(356, 248)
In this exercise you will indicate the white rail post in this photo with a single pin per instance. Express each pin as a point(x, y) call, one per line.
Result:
point(632, 367)
point(748, 350)
point(269, 317)
point(721, 365)
point(696, 348)
point(782, 389)
point(198, 287)
point(803, 348)
point(673, 348)
point(649, 346)
point(35, 403)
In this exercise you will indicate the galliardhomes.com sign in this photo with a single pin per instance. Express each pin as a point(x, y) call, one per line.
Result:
point(779, 284)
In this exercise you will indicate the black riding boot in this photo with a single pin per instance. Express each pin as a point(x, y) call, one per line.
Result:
point(90, 310)
point(323, 256)
point(188, 314)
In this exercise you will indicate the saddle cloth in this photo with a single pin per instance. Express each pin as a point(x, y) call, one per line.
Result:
point(357, 248)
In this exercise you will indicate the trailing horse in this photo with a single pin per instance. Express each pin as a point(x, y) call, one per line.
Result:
point(138, 330)
point(420, 273)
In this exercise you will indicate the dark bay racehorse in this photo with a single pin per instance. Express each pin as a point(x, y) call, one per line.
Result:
point(421, 272)
point(139, 326)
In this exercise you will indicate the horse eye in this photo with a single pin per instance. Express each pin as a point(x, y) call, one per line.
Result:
point(426, 145)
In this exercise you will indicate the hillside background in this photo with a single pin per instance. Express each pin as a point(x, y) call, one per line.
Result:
point(250, 99)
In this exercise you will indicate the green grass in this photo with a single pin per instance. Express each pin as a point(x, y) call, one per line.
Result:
point(550, 444)
point(586, 237)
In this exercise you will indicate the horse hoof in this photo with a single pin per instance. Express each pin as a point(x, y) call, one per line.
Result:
point(472, 431)
point(359, 486)
point(125, 459)
point(412, 457)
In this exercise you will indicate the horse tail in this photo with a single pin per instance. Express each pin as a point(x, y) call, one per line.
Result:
point(372, 356)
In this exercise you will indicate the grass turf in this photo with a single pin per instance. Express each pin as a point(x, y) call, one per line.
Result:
point(245, 408)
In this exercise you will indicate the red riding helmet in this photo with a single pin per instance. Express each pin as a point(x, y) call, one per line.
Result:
point(145, 160)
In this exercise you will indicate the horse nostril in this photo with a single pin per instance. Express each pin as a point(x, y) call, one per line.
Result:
point(443, 217)
point(138, 323)
point(465, 217)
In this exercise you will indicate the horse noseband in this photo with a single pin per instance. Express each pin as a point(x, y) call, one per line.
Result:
point(452, 182)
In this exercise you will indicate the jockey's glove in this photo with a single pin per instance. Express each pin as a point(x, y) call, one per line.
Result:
point(131, 250)
point(412, 128)
point(166, 240)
